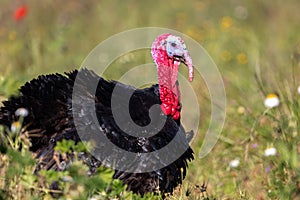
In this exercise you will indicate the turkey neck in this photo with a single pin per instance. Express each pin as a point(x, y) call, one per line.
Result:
point(169, 87)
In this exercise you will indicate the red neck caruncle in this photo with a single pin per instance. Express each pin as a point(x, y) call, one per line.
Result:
point(168, 87)
point(167, 52)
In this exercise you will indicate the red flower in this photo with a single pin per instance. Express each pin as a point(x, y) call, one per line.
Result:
point(20, 13)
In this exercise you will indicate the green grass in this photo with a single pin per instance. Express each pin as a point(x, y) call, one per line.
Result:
point(256, 46)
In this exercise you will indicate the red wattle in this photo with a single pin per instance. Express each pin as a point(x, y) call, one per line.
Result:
point(176, 115)
point(167, 68)
point(170, 103)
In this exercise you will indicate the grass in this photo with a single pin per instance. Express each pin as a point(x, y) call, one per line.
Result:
point(255, 45)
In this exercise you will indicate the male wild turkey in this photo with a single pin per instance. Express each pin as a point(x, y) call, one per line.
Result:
point(53, 107)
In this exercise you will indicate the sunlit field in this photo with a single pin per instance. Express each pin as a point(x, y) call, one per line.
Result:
point(254, 44)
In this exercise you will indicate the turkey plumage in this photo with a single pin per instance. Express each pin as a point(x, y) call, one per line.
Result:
point(56, 112)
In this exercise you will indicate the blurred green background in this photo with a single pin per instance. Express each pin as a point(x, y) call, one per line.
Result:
point(255, 45)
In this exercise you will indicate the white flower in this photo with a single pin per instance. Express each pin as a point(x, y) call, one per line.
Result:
point(271, 101)
point(22, 112)
point(234, 163)
point(15, 126)
point(298, 90)
point(271, 151)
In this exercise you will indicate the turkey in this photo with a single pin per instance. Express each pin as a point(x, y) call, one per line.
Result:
point(67, 107)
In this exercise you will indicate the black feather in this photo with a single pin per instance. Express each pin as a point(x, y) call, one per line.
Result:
point(51, 103)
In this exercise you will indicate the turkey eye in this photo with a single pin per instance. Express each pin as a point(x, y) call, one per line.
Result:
point(173, 44)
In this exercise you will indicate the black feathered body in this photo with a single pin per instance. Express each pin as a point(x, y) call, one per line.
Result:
point(51, 104)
